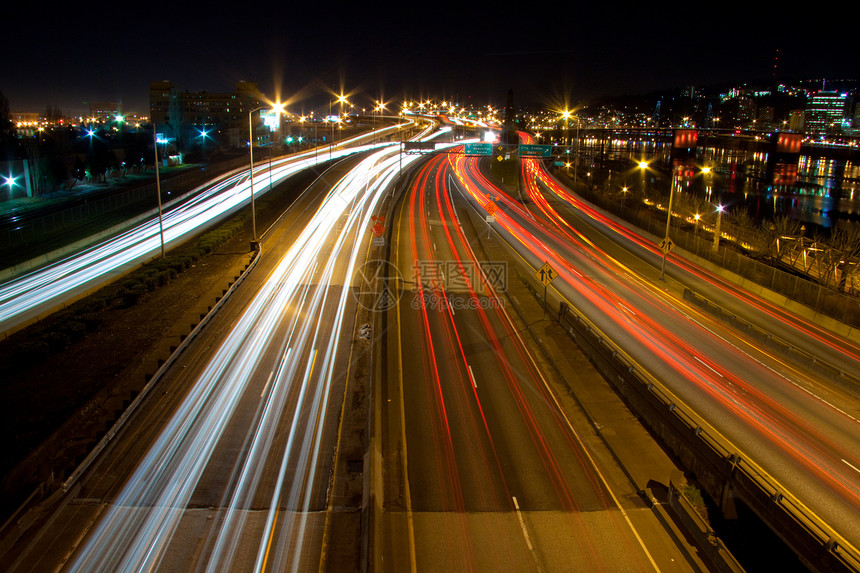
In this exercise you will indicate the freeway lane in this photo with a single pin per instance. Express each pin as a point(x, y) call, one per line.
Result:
point(483, 471)
point(227, 466)
point(27, 297)
point(753, 398)
point(823, 343)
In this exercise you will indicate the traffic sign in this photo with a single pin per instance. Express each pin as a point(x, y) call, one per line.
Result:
point(666, 245)
point(478, 148)
point(419, 146)
point(534, 150)
point(378, 229)
point(491, 207)
point(546, 274)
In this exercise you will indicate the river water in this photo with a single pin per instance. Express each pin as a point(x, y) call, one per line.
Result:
point(822, 192)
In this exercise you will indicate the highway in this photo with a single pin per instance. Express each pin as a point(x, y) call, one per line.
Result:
point(27, 297)
point(228, 460)
point(484, 470)
point(787, 418)
point(225, 463)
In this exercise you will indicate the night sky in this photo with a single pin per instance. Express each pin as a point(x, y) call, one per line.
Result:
point(542, 52)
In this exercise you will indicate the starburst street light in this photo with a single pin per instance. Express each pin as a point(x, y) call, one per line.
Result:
point(716, 246)
point(279, 109)
point(9, 181)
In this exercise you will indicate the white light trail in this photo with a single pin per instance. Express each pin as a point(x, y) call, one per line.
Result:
point(298, 298)
point(44, 289)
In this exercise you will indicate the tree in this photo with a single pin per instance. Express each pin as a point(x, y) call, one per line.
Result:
point(98, 159)
point(747, 230)
point(7, 130)
point(79, 171)
point(781, 228)
point(844, 247)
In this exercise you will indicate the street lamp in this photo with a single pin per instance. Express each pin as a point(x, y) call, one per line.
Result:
point(204, 135)
point(566, 115)
point(378, 108)
point(279, 108)
point(666, 245)
point(716, 246)
point(341, 100)
point(158, 189)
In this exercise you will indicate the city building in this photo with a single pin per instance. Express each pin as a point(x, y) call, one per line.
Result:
point(796, 120)
point(825, 111)
point(104, 112)
point(183, 117)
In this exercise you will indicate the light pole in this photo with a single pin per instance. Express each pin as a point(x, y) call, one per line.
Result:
point(576, 154)
point(278, 107)
point(158, 189)
point(666, 245)
point(379, 108)
point(331, 131)
point(341, 99)
point(716, 246)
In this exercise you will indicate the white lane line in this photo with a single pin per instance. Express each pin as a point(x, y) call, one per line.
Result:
point(523, 524)
point(700, 361)
point(475, 384)
point(850, 465)
point(266, 387)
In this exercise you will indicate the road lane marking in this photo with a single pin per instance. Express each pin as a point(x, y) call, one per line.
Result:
point(700, 361)
point(850, 465)
point(475, 384)
point(523, 524)
point(268, 381)
point(407, 488)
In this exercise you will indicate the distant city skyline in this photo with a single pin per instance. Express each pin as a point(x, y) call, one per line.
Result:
point(557, 54)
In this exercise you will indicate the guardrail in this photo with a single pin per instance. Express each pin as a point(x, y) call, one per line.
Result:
point(723, 471)
point(810, 360)
point(818, 297)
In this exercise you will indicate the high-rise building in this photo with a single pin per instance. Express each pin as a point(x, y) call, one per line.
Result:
point(825, 111)
point(178, 114)
point(104, 111)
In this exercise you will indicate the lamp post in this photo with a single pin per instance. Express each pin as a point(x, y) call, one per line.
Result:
point(566, 114)
point(158, 189)
point(379, 108)
point(341, 99)
point(666, 245)
point(716, 246)
point(279, 108)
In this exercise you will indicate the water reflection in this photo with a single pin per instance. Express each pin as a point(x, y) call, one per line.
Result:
point(822, 192)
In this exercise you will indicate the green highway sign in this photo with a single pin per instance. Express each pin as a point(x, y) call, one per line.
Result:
point(533, 150)
point(479, 148)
